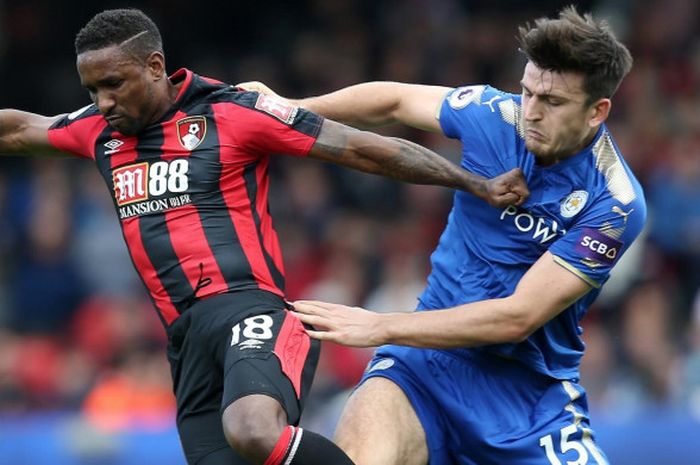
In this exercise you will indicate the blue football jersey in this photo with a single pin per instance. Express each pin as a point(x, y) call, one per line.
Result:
point(586, 210)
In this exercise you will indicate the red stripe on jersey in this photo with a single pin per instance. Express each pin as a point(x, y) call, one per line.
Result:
point(270, 240)
point(292, 348)
point(192, 249)
point(132, 235)
point(185, 227)
point(125, 153)
point(181, 75)
point(234, 192)
point(172, 148)
point(234, 158)
point(78, 136)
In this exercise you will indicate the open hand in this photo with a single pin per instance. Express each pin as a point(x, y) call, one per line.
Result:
point(257, 86)
point(350, 326)
point(506, 189)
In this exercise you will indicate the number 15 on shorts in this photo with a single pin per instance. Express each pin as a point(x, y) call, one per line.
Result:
point(580, 448)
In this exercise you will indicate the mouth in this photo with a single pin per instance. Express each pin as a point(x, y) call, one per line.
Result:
point(114, 120)
point(532, 134)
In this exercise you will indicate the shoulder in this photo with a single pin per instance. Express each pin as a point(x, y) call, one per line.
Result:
point(80, 115)
point(483, 106)
point(619, 182)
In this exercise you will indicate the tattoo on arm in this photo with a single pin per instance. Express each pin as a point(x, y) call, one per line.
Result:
point(426, 167)
point(394, 158)
point(332, 144)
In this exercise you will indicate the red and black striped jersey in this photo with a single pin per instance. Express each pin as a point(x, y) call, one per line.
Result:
point(191, 190)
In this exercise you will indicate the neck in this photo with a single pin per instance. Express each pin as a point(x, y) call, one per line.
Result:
point(168, 100)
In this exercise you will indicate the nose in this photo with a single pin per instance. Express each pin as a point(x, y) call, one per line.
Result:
point(105, 102)
point(532, 109)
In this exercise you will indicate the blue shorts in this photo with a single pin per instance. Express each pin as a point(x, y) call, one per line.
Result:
point(482, 409)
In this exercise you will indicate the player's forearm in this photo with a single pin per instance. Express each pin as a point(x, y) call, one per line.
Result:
point(365, 105)
point(423, 166)
point(492, 321)
point(10, 126)
point(393, 158)
point(22, 132)
point(406, 161)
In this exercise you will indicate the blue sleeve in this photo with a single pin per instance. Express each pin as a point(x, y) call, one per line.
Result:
point(591, 248)
point(487, 122)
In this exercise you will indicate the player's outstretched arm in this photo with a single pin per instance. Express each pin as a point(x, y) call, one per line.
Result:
point(406, 161)
point(372, 104)
point(542, 293)
point(24, 132)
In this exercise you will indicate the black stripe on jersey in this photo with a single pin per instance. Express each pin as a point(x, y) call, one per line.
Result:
point(249, 174)
point(305, 122)
point(104, 166)
point(156, 240)
point(161, 253)
point(216, 222)
point(103, 161)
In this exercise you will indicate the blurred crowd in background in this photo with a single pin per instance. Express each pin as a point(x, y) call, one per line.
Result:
point(77, 331)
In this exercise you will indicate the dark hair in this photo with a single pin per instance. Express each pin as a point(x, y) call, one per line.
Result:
point(115, 27)
point(575, 43)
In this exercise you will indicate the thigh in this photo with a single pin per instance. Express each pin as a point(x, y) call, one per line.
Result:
point(270, 354)
point(205, 345)
point(379, 426)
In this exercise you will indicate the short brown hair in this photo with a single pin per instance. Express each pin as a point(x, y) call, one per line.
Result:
point(576, 43)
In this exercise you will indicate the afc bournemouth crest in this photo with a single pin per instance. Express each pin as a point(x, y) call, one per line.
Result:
point(191, 131)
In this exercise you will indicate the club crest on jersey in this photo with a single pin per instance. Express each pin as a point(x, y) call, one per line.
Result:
point(191, 131)
point(277, 108)
point(573, 203)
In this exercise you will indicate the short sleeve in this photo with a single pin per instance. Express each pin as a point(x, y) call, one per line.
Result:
point(274, 126)
point(75, 133)
point(486, 121)
point(591, 248)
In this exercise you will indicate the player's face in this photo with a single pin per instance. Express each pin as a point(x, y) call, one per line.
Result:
point(556, 118)
point(121, 86)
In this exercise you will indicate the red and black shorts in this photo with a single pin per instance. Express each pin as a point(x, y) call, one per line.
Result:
point(229, 346)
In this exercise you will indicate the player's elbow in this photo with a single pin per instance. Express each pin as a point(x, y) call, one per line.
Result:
point(516, 332)
point(519, 326)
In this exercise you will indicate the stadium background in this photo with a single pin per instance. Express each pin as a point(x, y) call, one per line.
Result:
point(83, 377)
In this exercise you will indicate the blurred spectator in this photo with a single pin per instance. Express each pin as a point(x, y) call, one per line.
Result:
point(46, 288)
point(137, 394)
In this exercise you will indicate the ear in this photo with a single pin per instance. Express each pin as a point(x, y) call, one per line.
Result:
point(599, 112)
point(156, 65)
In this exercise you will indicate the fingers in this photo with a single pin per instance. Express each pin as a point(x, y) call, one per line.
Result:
point(321, 335)
point(319, 331)
point(312, 320)
point(311, 307)
point(517, 185)
point(510, 198)
point(256, 86)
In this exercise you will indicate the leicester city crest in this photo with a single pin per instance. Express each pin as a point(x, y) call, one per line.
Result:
point(191, 131)
point(573, 203)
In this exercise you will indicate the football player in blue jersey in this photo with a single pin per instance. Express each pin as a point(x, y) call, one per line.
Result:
point(486, 371)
